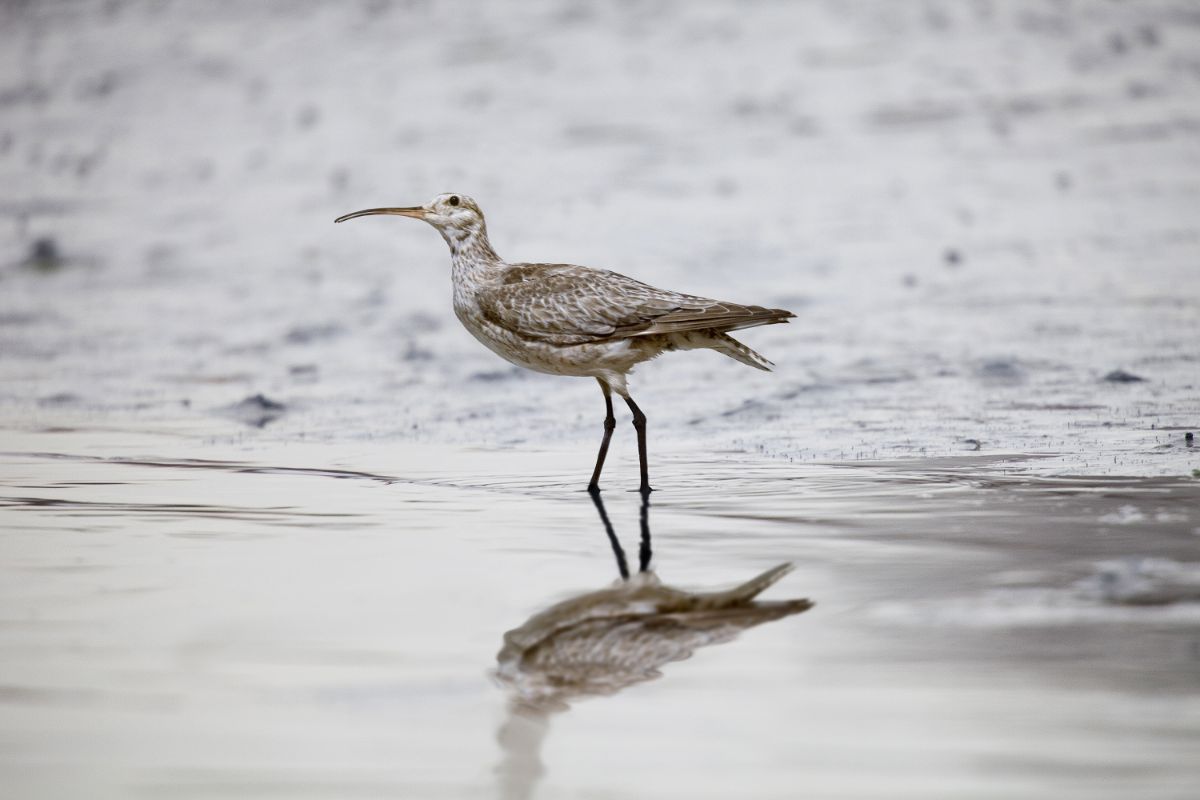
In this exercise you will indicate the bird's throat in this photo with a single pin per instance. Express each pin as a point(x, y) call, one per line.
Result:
point(470, 244)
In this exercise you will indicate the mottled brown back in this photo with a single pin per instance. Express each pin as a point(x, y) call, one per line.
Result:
point(567, 304)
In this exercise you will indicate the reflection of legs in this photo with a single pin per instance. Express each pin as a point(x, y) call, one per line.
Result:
point(622, 567)
point(610, 422)
point(639, 424)
point(644, 553)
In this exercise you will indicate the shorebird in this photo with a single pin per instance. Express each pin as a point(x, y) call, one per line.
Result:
point(568, 320)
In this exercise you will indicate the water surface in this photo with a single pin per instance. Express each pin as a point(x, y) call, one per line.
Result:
point(216, 621)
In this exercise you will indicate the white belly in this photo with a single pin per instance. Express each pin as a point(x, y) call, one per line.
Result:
point(598, 360)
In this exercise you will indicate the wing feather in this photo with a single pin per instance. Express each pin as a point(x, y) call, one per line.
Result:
point(565, 304)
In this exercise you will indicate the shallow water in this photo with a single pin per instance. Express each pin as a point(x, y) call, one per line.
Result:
point(190, 620)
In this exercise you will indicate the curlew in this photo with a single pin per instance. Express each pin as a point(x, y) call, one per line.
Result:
point(563, 319)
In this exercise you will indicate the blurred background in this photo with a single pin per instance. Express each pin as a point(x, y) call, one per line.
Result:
point(984, 214)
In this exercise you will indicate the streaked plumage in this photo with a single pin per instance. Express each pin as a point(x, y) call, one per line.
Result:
point(564, 319)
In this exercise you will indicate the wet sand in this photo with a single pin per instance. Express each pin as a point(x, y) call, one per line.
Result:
point(192, 620)
point(979, 212)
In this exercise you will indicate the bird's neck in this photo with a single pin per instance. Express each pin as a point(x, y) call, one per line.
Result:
point(474, 266)
point(470, 245)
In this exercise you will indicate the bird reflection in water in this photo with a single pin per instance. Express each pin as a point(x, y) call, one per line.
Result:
point(600, 642)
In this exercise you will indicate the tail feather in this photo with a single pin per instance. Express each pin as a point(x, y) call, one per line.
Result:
point(721, 342)
point(724, 343)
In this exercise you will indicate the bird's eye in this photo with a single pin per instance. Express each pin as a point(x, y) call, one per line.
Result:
point(453, 200)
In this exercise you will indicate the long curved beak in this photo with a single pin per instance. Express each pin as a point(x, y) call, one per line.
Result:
point(416, 212)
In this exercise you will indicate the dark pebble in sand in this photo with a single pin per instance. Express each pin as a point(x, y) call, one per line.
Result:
point(339, 179)
point(260, 401)
point(306, 334)
point(60, 399)
point(308, 117)
point(494, 375)
point(44, 255)
point(1121, 376)
point(1000, 371)
point(256, 410)
point(416, 353)
point(18, 319)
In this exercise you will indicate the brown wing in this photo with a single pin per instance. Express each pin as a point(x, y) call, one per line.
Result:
point(566, 304)
point(718, 316)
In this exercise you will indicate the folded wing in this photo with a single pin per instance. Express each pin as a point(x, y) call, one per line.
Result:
point(565, 304)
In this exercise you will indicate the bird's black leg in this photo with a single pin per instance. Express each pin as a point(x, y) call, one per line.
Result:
point(639, 424)
point(610, 422)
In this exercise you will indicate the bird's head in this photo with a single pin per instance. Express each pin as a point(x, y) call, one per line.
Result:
point(456, 216)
